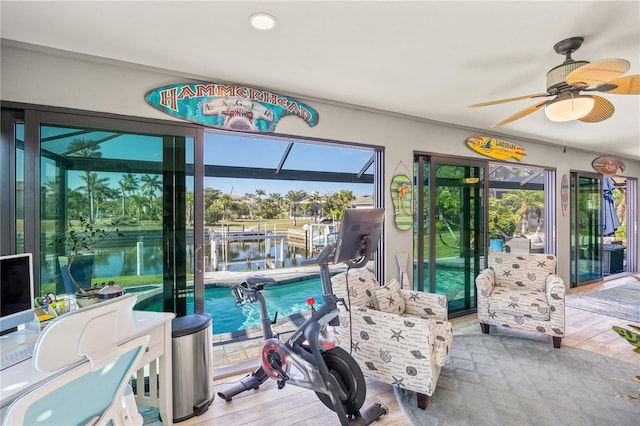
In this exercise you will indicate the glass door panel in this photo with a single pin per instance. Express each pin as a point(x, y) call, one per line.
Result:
point(137, 180)
point(450, 235)
point(586, 229)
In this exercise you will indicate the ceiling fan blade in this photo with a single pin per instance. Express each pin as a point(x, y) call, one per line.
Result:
point(629, 85)
point(602, 109)
point(523, 113)
point(598, 72)
point(501, 101)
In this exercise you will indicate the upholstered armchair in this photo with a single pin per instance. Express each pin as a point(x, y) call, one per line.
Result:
point(397, 336)
point(522, 291)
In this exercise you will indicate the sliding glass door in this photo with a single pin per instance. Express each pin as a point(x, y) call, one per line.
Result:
point(586, 228)
point(74, 169)
point(449, 238)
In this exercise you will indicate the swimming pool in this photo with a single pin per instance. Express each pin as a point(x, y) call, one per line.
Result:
point(286, 299)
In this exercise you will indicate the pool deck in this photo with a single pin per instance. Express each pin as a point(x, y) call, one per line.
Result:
point(231, 278)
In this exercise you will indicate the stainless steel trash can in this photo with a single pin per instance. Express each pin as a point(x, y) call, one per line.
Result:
point(192, 375)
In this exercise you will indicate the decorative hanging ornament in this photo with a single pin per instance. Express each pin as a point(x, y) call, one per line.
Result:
point(402, 198)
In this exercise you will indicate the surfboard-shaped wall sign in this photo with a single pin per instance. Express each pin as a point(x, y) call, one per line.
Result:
point(228, 106)
point(496, 148)
point(608, 165)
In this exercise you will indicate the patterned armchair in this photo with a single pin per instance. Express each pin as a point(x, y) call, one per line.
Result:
point(397, 336)
point(522, 291)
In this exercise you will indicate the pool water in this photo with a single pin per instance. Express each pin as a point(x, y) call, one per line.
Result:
point(286, 299)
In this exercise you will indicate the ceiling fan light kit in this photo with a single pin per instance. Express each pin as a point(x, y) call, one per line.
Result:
point(567, 80)
point(569, 108)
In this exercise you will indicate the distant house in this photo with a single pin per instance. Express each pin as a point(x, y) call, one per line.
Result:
point(363, 201)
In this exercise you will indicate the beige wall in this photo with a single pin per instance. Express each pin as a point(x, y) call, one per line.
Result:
point(67, 80)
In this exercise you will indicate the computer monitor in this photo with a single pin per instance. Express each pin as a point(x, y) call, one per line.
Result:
point(16, 290)
point(360, 231)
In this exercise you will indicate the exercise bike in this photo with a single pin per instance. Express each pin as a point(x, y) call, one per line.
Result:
point(318, 364)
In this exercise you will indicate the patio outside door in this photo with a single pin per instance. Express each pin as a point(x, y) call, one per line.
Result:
point(586, 229)
point(450, 229)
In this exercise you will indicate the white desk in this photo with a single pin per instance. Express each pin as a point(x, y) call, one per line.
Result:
point(157, 360)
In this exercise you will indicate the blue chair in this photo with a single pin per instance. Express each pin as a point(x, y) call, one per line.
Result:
point(92, 368)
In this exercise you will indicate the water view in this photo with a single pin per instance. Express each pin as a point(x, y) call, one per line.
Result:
point(286, 299)
point(146, 259)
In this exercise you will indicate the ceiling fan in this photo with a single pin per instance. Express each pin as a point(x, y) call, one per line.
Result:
point(566, 81)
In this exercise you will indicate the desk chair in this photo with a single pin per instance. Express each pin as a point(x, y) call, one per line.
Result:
point(95, 366)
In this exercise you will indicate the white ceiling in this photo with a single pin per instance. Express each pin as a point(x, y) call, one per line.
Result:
point(421, 58)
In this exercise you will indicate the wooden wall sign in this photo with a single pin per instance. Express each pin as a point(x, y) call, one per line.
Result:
point(608, 165)
point(496, 148)
point(228, 106)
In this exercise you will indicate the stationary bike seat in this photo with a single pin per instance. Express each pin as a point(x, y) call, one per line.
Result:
point(259, 279)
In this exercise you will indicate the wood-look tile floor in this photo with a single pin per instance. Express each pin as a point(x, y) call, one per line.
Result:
point(296, 406)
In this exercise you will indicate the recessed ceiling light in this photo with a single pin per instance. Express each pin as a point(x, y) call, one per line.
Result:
point(262, 21)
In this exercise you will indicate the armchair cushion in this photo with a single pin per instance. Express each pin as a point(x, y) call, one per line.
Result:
point(388, 298)
point(508, 301)
point(522, 271)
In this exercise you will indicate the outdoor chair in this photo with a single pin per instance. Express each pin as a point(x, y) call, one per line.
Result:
point(518, 245)
point(522, 291)
point(92, 387)
point(397, 336)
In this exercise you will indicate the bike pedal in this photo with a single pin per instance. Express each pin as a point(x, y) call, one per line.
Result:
point(281, 384)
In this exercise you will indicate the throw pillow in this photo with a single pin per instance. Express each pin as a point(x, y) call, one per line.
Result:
point(361, 284)
point(389, 299)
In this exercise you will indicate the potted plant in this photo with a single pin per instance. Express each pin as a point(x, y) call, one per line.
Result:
point(633, 338)
point(77, 268)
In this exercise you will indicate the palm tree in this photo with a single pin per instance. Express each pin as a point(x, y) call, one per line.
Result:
point(93, 186)
point(250, 199)
point(103, 195)
point(225, 202)
point(316, 202)
point(81, 147)
point(259, 194)
point(336, 202)
point(295, 198)
point(210, 196)
point(346, 199)
point(151, 185)
point(128, 183)
point(278, 199)
point(524, 201)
